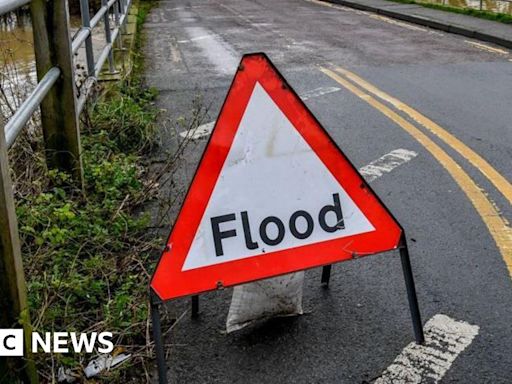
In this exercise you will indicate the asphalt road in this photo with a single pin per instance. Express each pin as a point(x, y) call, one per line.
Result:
point(352, 332)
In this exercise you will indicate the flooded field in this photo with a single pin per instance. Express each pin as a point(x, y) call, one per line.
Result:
point(16, 38)
point(17, 66)
point(17, 60)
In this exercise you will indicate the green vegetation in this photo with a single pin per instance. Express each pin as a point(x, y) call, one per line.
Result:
point(86, 253)
point(500, 17)
point(127, 117)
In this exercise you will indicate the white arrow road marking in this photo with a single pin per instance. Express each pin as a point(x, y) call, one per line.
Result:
point(206, 129)
point(445, 339)
point(386, 163)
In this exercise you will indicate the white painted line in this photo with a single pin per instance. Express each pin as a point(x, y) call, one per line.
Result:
point(206, 129)
point(398, 23)
point(487, 48)
point(386, 163)
point(197, 133)
point(445, 339)
point(219, 53)
point(318, 92)
point(323, 3)
point(197, 38)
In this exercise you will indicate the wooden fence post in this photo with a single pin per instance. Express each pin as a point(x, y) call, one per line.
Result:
point(59, 115)
point(13, 294)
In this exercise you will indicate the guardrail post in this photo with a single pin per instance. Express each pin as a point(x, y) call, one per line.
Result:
point(86, 22)
point(124, 11)
point(108, 37)
point(14, 311)
point(59, 116)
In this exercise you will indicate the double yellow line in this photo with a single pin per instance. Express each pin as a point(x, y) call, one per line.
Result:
point(498, 227)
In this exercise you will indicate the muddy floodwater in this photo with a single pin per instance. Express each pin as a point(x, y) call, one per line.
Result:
point(16, 45)
point(17, 66)
point(16, 40)
point(17, 59)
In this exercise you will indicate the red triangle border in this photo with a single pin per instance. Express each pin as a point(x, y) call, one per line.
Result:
point(170, 282)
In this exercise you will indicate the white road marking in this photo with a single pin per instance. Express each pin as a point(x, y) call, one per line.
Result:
point(330, 5)
point(487, 48)
point(206, 129)
point(318, 92)
point(386, 163)
point(201, 131)
point(197, 133)
point(218, 52)
point(339, 7)
point(187, 7)
point(195, 39)
point(445, 339)
point(398, 23)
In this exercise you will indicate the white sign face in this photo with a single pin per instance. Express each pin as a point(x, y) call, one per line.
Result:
point(273, 193)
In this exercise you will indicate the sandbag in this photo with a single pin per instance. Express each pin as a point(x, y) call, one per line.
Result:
point(278, 296)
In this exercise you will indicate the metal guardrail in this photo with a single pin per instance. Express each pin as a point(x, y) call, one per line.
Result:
point(29, 106)
point(56, 96)
point(11, 5)
point(120, 10)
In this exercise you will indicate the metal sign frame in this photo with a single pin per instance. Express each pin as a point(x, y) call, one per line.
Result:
point(400, 243)
point(172, 279)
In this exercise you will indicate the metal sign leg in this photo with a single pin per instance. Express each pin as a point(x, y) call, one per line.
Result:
point(411, 293)
point(159, 343)
point(195, 306)
point(326, 275)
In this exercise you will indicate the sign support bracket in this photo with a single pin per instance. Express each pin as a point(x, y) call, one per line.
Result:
point(409, 285)
point(411, 291)
point(257, 89)
point(326, 275)
point(157, 337)
point(195, 306)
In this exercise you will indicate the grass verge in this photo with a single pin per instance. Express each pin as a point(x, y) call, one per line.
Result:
point(86, 254)
point(500, 17)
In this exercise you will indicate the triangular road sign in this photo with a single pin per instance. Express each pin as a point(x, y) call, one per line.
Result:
point(272, 194)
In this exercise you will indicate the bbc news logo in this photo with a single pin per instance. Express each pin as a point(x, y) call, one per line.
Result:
point(12, 342)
